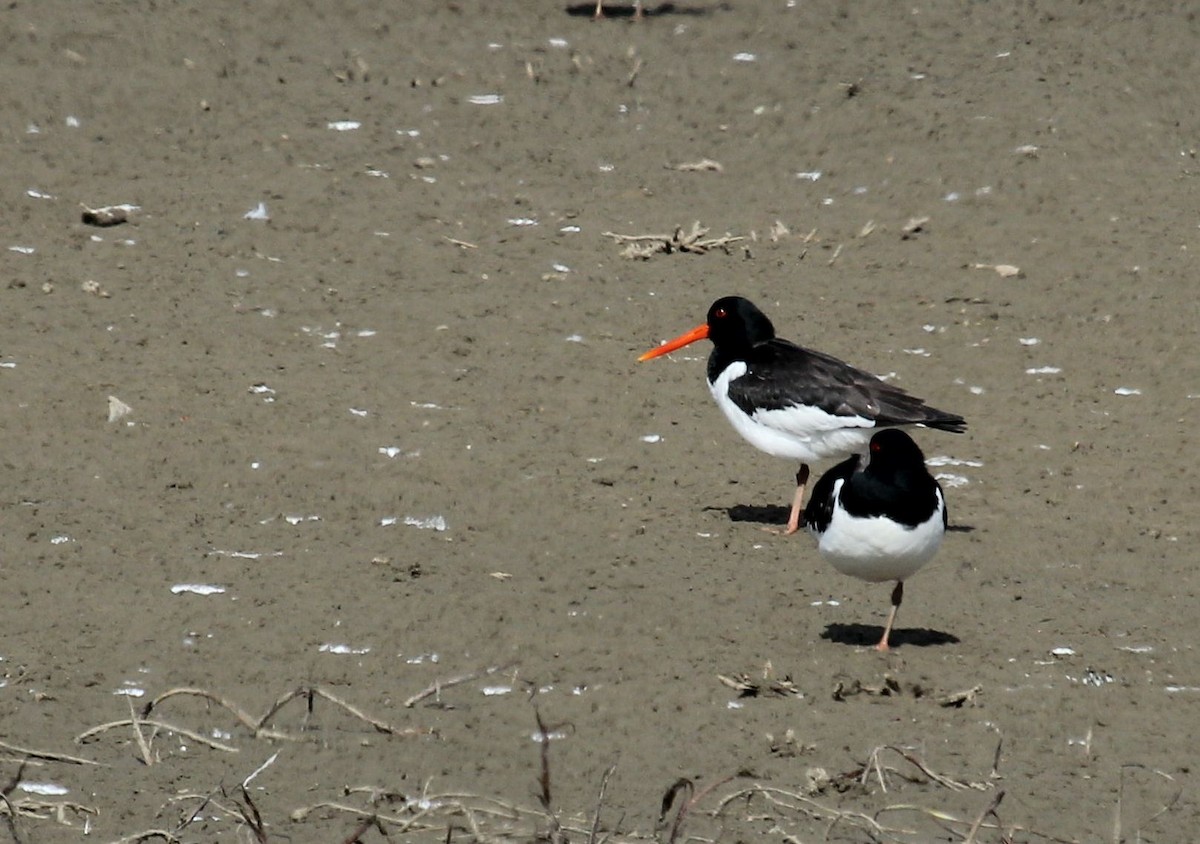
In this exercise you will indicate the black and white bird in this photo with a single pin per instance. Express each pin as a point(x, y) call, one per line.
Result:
point(794, 402)
point(882, 520)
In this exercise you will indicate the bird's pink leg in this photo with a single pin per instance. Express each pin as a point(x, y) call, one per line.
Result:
point(793, 524)
point(897, 597)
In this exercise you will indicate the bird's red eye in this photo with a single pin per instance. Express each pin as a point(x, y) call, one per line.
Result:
point(876, 447)
point(720, 313)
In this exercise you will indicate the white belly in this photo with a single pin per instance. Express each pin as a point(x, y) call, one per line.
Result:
point(877, 549)
point(806, 434)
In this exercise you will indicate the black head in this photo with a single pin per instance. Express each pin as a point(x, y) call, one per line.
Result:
point(734, 322)
point(892, 451)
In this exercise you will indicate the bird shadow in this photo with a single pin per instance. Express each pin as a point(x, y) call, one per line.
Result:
point(628, 10)
point(769, 514)
point(870, 634)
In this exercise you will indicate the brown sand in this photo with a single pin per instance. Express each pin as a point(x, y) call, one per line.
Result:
point(391, 302)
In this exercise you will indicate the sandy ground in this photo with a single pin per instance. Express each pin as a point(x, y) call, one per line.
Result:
point(400, 426)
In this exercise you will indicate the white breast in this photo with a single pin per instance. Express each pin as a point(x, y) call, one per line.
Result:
point(877, 549)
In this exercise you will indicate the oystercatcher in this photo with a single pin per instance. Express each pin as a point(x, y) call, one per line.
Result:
point(881, 521)
point(794, 402)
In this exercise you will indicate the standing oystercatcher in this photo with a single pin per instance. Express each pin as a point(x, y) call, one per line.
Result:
point(794, 402)
point(881, 521)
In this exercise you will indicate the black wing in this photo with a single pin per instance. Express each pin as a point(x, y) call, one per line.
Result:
point(819, 511)
point(781, 374)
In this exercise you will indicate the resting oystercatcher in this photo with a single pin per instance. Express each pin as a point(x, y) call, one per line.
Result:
point(794, 402)
point(881, 521)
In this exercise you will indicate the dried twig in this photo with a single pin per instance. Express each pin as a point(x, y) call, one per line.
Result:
point(594, 831)
point(940, 779)
point(139, 737)
point(251, 816)
point(246, 719)
point(162, 725)
point(1118, 835)
point(10, 820)
point(557, 836)
point(47, 755)
point(456, 680)
point(258, 726)
point(990, 809)
point(681, 785)
point(148, 835)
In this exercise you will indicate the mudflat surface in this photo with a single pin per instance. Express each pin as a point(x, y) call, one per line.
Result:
point(399, 424)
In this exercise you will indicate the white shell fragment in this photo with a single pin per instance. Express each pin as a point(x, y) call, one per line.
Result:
point(437, 523)
point(196, 589)
point(329, 648)
point(258, 212)
point(485, 99)
point(1127, 391)
point(1002, 270)
point(343, 125)
point(551, 735)
point(946, 460)
point(43, 789)
point(117, 409)
point(298, 519)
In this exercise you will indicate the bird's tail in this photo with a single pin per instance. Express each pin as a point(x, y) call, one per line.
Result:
point(947, 422)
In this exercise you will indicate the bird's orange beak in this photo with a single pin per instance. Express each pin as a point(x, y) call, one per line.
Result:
point(700, 332)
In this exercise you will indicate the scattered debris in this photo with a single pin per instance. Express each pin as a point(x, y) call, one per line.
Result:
point(93, 287)
point(957, 700)
point(693, 241)
point(914, 227)
point(108, 215)
point(889, 687)
point(788, 746)
point(746, 687)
